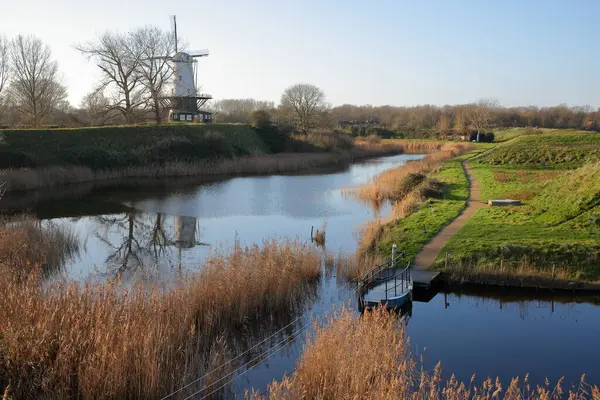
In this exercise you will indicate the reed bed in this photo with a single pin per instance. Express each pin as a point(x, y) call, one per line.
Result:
point(26, 244)
point(370, 358)
point(53, 176)
point(105, 341)
point(395, 184)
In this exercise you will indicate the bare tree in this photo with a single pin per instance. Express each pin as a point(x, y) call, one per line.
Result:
point(35, 86)
point(238, 110)
point(304, 105)
point(483, 115)
point(118, 57)
point(4, 72)
point(155, 48)
point(96, 108)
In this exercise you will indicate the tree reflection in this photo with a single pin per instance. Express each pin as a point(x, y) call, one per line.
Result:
point(136, 239)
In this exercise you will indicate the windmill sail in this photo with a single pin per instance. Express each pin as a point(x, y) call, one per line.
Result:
point(174, 29)
point(198, 53)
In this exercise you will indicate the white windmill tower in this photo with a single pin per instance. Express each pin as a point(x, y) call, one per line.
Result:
point(184, 101)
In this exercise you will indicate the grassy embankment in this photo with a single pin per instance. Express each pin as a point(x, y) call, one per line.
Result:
point(426, 195)
point(553, 238)
point(370, 358)
point(104, 341)
point(32, 159)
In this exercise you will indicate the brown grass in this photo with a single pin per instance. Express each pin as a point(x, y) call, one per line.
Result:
point(392, 185)
point(521, 273)
point(49, 177)
point(524, 176)
point(369, 358)
point(26, 244)
point(354, 268)
point(99, 341)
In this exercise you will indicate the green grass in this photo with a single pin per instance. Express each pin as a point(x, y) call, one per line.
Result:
point(414, 231)
point(546, 150)
point(558, 223)
point(126, 145)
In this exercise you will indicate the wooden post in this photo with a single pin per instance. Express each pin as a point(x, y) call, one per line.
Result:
point(553, 265)
point(311, 233)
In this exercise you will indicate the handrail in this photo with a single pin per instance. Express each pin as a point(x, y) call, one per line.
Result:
point(404, 282)
point(377, 273)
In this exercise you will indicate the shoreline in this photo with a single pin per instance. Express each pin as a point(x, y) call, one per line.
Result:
point(528, 283)
point(25, 181)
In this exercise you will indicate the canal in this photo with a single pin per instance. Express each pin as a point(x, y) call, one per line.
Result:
point(159, 233)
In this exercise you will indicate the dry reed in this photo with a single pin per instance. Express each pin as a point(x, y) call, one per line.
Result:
point(369, 358)
point(392, 185)
point(53, 176)
point(26, 244)
point(517, 273)
point(92, 341)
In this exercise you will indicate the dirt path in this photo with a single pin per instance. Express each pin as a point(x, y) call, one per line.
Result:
point(432, 249)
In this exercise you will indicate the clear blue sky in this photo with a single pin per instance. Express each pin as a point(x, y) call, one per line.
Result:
point(541, 52)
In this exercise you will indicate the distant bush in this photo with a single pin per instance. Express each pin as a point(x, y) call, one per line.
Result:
point(91, 157)
point(331, 141)
point(483, 137)
point(274, 137)
point(381, 132)
point(372, 138)
point(212, 145)
point(15, 159)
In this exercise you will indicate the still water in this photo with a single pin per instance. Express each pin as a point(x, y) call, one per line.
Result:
point(157, 234)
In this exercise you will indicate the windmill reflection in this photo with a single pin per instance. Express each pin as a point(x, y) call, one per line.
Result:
point(139, 239)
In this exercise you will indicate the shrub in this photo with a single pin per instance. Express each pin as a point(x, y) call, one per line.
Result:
point(15, 159)
point(373, 138)
point(170, 149)
point(331, 141)
point(270, 134)
point(92, 157)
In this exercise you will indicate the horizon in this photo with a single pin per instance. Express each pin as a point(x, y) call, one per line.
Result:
point(435, 53)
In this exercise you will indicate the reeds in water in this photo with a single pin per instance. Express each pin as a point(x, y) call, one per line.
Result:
point(395, 184)
point(26, 244)
point(105, 341)
point(369, 358)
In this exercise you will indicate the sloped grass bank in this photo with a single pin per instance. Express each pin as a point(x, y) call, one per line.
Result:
point(552, 240)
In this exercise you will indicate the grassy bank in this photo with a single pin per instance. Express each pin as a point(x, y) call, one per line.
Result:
point(105, 341)
point(419, 210)
point(546, 150)
point(370, 358)
point(553, 238)
point(325, 150)
point(124, 146)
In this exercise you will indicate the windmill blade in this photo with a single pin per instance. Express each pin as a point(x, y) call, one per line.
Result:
point(156, 58)
point(198, 53)
point(174, 29)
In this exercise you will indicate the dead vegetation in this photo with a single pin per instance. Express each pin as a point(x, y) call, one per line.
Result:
point(369, 358)
point(105, 341)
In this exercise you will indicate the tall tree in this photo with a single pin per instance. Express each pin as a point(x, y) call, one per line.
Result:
point(483, 115)
point(118, 57)
point(35, 86)
point(95, 107)
point(4, 72)
point(304, 105)
point(155, 47)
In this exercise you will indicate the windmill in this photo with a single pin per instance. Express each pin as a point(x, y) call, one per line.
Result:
point(182, 99)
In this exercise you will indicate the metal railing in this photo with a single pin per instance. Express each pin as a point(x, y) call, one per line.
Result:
point(396, 282)
point(402, 283)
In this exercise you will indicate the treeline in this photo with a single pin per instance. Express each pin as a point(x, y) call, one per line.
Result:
point(459, 119)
